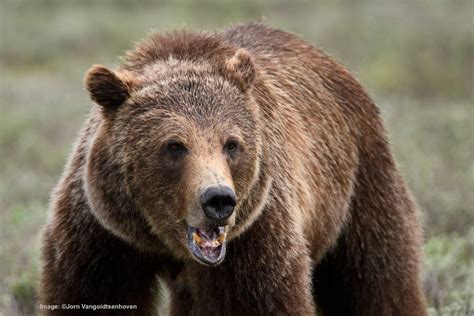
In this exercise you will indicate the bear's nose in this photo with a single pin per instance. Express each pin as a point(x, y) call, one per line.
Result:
point(218, 202)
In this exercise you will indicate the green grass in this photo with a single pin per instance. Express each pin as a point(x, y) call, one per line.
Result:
point(433, 144)
point(414, 57)
point(448, 269)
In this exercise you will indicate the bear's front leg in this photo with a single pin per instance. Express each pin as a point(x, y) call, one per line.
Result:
point(86, 268)
point(266, 272)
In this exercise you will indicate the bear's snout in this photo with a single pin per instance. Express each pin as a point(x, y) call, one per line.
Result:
point(218, 202)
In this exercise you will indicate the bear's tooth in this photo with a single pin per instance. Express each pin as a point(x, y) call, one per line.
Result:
point(197, 239)
point(221, 239)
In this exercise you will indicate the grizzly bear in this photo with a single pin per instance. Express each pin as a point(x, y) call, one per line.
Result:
point(245, 170)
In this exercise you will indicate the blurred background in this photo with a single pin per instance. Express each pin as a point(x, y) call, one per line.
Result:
point(414, 57)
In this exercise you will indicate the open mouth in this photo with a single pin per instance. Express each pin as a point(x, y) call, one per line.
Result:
point(207, 244)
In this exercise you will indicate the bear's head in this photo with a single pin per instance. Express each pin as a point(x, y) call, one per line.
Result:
point(176, 153)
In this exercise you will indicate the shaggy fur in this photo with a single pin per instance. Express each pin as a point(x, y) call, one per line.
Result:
point(323, 222)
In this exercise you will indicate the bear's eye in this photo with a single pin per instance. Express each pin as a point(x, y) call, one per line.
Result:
point(176, 149)
point(231, 146)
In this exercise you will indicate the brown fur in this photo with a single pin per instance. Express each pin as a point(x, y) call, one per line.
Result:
point(324, 222)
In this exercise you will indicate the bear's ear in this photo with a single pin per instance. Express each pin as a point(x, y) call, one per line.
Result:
point(106, 88)
point(240, 67)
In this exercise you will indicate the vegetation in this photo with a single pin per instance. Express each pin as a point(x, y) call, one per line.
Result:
point(414, 57)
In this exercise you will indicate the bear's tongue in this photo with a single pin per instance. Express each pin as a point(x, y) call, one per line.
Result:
point(208, 238)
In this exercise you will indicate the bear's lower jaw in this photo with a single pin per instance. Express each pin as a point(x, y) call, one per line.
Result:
point(207, 244)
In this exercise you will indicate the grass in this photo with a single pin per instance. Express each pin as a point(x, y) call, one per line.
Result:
point(414, 57)
point(448, 269)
